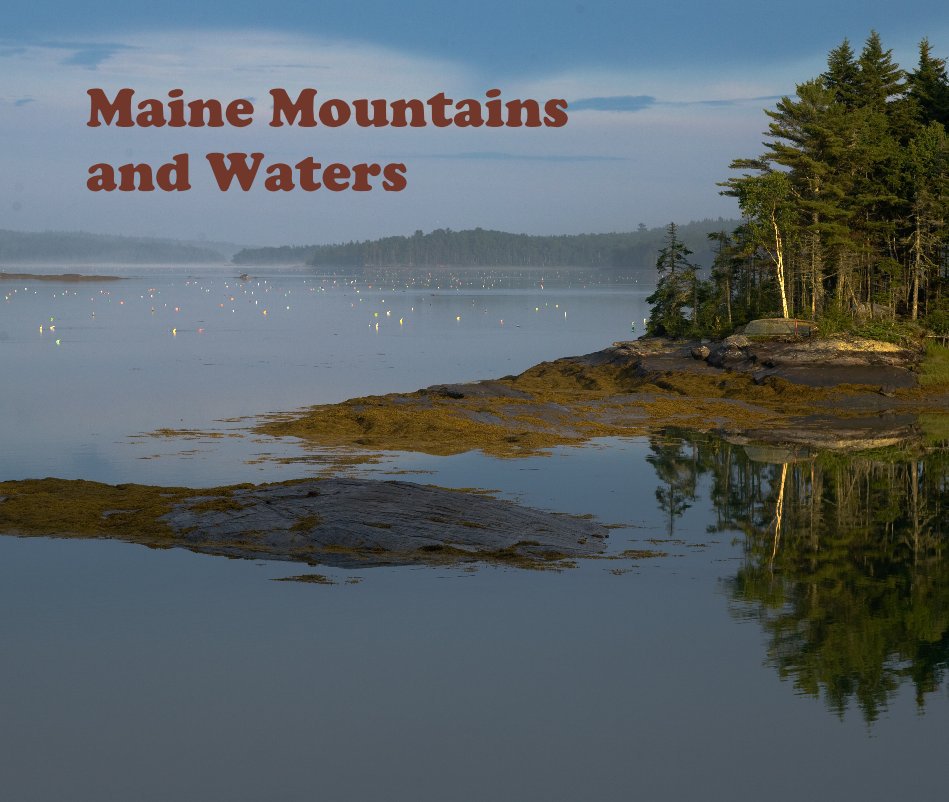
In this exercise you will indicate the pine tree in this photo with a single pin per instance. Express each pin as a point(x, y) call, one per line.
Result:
point(879, 78)
point(929, 86)
point(928, 192)
point(676, 288)
point(842, 74)
point(813, 138)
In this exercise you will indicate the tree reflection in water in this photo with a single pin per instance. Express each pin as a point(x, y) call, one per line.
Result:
point(845, 559)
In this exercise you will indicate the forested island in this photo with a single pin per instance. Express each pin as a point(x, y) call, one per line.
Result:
point(845, 214)
point(485, 248)
point(77, 247)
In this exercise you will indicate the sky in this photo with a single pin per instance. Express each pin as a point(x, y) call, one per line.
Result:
point(661, 97)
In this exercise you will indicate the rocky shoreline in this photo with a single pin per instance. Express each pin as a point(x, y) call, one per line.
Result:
point(842, 392)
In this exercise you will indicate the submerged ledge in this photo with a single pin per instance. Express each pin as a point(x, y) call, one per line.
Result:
point(337, 522)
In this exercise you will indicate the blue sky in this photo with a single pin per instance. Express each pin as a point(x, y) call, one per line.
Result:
point(662, 96)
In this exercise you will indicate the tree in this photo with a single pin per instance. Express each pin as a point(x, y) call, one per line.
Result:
point(676, 288)
point(765, 202)
point(929, 86)
point(879, 79)
point(842, 74)
point(927, 162)
point(722, 276)
point(848, 203)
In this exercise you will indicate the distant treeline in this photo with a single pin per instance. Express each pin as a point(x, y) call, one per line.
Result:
point(66, 247)
point(485, 248)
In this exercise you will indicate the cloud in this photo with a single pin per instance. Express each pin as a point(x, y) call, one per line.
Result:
point(225, 64)
point(90, 57)
point(633, 103)
point(258, 67)
point(737, 101)
point(490, 155)
point(86, 54)
point(23, 101)
point(613, 103)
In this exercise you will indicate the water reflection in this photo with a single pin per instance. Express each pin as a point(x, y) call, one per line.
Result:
point(844, 560)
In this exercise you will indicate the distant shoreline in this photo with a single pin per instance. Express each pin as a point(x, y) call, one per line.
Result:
point(70, 277)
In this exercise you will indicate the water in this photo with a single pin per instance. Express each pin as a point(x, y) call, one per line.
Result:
point(180, 351)
point(716, 672)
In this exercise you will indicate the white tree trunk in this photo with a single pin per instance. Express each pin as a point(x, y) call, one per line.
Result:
point(779, 264)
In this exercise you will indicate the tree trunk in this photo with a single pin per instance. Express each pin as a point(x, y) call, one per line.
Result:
point(917, 259)
point(779, 264)
point(728, 298)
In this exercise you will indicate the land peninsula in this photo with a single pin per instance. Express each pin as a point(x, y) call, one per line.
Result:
point(841, 392)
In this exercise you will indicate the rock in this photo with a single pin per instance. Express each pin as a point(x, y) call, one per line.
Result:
point(728, 353)
point(873, 311)
point(819, 362)
point(357, 522)
point(780, 327)
point(737, 341)
point(701, 352)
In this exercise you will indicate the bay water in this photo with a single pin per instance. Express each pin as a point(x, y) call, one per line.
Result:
point(732, 664)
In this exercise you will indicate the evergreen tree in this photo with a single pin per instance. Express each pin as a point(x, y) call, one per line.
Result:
point(676, 288)
point(929, 87)
point(927, 189)
point(842, 73)
point(848, 203)
point(879, 79)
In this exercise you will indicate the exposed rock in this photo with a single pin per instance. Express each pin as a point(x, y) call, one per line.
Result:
point(825, 362)
point(701, 352)
point(343, 522)
point(873, 311)
point(482, 389)
point(780, 327)
point(728, 354)
point(350, 522)
point(632, 388)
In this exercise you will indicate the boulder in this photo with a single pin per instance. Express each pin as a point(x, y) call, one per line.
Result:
point(780, 327)
point(701, 352)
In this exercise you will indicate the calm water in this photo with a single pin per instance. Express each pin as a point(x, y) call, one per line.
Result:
point(790, 641)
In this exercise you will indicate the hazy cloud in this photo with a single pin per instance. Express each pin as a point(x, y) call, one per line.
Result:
point(86, 54)
point(614, 103)
point(490, 155)
point(731, 101)
point(634, 103)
